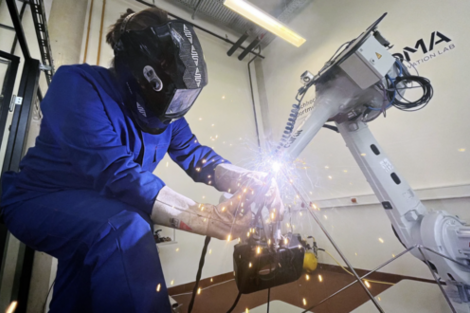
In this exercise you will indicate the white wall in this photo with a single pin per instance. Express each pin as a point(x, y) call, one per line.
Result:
point(423, 145)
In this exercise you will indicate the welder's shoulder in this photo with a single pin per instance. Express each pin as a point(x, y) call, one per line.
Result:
point(80, 72)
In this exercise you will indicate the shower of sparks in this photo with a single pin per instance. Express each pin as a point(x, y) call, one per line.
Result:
point(299, 184)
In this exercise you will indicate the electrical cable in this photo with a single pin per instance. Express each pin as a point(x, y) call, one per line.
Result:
point(199, 272)
point(393, 89)
point(235, 303)
point(47, 296)
point(269, 296)
point(347, 271)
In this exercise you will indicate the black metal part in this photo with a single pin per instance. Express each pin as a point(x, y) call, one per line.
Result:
point(250, 48)
point(7, 92)
point(343, 55)
point(15, 40)
point(7, 27)
point(7, 88)
point(18, 28)
point(258, 267)
point(42, 34)
point(237, 45)
point(253, 98)
point(20, 124)
point(201, 28)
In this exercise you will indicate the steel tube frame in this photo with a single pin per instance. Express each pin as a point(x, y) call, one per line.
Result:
point(327, 234)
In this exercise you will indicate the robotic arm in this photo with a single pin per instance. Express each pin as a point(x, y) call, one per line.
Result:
point(354, 88)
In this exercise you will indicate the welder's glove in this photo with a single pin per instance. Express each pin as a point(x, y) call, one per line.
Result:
point(231, 178)
point(227, 220)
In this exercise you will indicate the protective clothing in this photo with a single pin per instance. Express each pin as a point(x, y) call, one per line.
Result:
point(227, 220)
point(231, 178)
point(86, 189)
point(164, 70)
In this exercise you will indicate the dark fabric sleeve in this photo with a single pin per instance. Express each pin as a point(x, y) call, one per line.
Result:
point(196, 160)
point(78, 118)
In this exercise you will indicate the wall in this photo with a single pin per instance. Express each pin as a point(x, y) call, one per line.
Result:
point(430, 147)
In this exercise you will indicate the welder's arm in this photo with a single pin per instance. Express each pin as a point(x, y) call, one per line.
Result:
point(227, 220)
point(196, 160)
point(75, 115)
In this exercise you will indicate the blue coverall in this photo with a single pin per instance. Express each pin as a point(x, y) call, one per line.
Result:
point(85, 191)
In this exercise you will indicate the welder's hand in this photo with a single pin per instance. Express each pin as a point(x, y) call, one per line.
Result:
point(231, 178)
point(231, 219)
point(264, 192)
point(227, 220)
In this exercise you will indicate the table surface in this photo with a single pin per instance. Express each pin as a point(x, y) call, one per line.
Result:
point(407, 296)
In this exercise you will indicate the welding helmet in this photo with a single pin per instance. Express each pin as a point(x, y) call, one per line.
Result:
point(163, 69)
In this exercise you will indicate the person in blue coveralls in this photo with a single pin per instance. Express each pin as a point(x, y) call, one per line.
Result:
point(86, 193)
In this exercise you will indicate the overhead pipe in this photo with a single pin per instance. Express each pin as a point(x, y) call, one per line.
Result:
point(88, 31)
point(195, 9)
point(101, 33)
point(237, 44)
point(201, 28)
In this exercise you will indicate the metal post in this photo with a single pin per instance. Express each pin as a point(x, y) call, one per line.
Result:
point(372, 298)
point(20, 123)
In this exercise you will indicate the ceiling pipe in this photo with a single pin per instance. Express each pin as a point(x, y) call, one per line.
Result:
point(195, 9)
point(88, 31)
point(101, 33)
point(237, 44)
point(201, 28)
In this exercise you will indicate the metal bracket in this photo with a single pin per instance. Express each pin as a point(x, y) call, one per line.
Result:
point(44, 67)
point(15, 101)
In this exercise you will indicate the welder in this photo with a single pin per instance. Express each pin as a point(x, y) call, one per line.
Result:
point(86, 194)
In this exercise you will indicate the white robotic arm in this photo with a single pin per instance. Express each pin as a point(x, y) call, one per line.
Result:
point(350, 92)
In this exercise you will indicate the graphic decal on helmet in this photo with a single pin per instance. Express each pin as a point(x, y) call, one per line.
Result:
point(187, 33)
point(141, 109)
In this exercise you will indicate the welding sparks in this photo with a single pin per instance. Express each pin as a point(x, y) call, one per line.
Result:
point(367, 283)
point(320, 278)
point(12, 307)
point(199, 291)
point(304, 301)
point(276, 166)
point(159, 287)
point(229, 237)
point(258, 250)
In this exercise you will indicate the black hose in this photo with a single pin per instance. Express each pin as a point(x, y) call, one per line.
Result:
point(235, 303)
point(199, 272)
point(269, 296)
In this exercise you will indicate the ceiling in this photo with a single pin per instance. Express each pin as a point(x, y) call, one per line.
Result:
point(284, 10)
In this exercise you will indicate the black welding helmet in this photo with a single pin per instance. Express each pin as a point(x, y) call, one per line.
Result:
point(163, 69)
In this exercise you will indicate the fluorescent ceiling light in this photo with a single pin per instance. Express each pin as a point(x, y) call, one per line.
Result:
point(263, 19)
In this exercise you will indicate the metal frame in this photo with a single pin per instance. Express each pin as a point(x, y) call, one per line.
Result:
point(42, 34)
point(8, 85)
point(29, 91)
point(420, 248)
point(20, 124)
point(7, 91)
